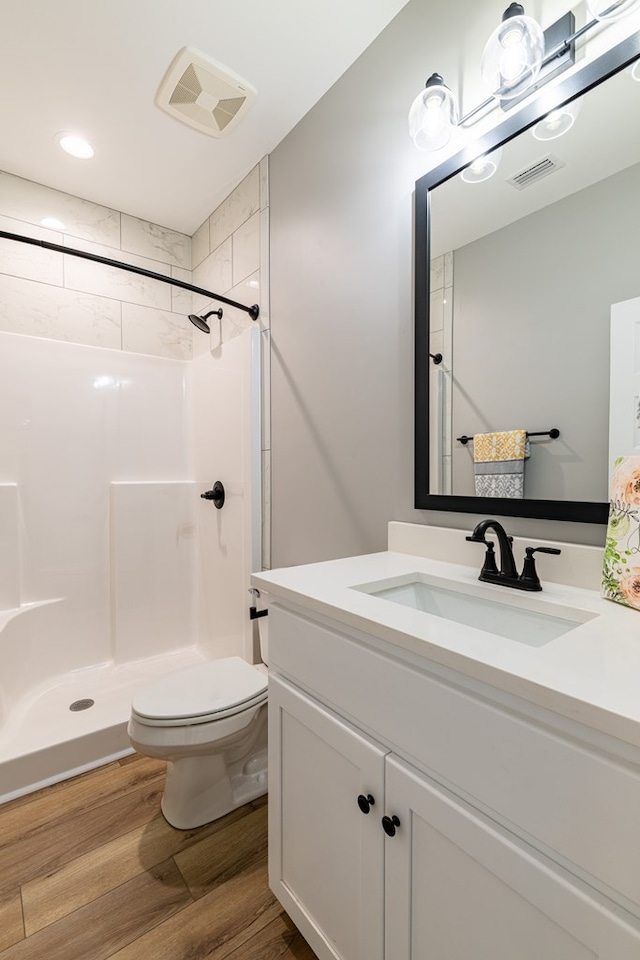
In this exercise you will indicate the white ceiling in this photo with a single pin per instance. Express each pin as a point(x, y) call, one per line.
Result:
point(93, 67)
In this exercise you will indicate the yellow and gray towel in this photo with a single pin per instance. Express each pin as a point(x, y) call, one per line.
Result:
point(498, 460)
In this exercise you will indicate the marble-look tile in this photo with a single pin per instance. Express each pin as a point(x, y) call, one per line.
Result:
point(436, 338)
point(447, 325)
point(235, 321)
point(448, 269)
point(89, 277)
point(156, 332)
point(437, 274)
point(246, 249)
point(266, 389)
point(181, 300)
point(215, 273)
point(447, 477)
point(436, 310)
point(40, 310)
point(26, 260)
point(266, 510)
point(200, 244)
point(26, 229)
point(264, 182)
point(265, 270)
point(114, 253)
point(30, 201)
point(155, 242)
point(239, 206)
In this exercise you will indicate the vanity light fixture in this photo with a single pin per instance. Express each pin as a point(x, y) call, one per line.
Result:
point(75, 146)
point(482, 168)
point(558, 122)
point(433, 115)
point(519, 57)
point(612, 9)
point(513, 54)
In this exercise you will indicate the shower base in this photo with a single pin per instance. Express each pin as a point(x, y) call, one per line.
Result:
point(44, 741)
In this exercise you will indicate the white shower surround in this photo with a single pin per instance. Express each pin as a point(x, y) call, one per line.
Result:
point(116, 569)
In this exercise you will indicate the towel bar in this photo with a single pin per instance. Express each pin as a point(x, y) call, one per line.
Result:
point(554, 433)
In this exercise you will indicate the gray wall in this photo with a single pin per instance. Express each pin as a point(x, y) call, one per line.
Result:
point(532, 307)
point(341, 188)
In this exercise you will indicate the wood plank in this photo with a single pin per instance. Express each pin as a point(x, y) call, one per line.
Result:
point(74, 884)
point(11, 925)
point(107, 924)
point(215, 859)
point(20, 817)
point(280, 940)
point(48, 847)
point(216, 925)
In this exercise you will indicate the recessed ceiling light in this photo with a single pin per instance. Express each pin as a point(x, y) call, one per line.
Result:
point(75, 145)
point(52, 223)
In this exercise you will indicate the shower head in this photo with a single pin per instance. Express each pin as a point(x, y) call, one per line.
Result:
point(201, 322)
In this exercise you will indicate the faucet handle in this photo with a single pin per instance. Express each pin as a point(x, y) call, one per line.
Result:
point(529, 577)
point(489, 565)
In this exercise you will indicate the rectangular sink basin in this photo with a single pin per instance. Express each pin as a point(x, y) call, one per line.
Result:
point(518, 616)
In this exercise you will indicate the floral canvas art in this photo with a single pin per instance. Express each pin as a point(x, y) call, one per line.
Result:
point(621, 566)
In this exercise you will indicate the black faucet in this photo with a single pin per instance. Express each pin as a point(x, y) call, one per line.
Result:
point(507, 575)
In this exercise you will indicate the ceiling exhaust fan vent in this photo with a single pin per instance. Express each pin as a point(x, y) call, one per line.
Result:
point(202, 93)
point(534, 172)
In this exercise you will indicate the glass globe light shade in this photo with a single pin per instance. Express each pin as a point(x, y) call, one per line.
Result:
point(558, 122)
point(482, 167)
point(433, 115)
point(612, 9)
point(513, 54)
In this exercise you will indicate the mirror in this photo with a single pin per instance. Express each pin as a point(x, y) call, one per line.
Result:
point(515, 279)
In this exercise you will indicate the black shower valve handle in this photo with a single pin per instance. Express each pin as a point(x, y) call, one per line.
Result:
point(216, 494)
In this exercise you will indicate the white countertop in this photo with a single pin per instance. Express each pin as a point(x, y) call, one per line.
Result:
point(590, 674)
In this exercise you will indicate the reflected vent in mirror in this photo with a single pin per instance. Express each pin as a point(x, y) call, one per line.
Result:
point(535, 171)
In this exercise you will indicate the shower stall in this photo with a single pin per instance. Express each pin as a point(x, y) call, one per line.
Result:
point(113, 568)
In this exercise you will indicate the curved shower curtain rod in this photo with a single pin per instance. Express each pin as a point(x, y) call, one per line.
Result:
point(253, 311)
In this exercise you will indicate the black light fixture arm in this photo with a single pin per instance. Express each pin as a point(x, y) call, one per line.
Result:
point(253, 311)
point(558, 50)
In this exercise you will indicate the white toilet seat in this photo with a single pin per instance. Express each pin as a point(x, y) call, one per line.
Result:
point(209, 692)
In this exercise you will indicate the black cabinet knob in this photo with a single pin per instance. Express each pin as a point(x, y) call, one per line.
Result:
point(365, 803)
point(389, 825)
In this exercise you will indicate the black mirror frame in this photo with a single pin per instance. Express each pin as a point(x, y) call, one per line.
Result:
point(594, 73)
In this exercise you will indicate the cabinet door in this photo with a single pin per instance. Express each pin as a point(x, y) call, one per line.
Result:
point(326, 857)
point(458, 887)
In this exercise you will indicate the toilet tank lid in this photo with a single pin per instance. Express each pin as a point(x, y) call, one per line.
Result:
point(215, 686)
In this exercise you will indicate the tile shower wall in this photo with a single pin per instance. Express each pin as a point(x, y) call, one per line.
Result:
point(230, 254)
point(72, 305)
point(45, 294)
point(441, 341)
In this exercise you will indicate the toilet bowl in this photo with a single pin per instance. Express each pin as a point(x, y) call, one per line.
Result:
point(210, 723)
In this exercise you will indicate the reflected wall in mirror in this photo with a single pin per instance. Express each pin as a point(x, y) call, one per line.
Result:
point(516, 277)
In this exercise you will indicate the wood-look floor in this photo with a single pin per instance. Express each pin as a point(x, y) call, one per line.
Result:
point(89, 869)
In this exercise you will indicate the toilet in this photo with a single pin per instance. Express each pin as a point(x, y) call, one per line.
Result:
point(210, 723)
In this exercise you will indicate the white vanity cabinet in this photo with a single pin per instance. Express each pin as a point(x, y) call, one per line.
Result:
point(458, 879)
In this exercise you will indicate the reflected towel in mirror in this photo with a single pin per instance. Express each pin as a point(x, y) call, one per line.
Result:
point(498, 460)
